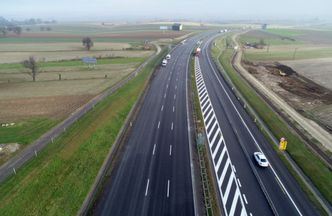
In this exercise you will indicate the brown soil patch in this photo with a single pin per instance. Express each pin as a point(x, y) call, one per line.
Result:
point(303, 94)
point(54, 107)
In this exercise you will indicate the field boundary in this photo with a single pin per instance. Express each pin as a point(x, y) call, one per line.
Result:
point(12, 165)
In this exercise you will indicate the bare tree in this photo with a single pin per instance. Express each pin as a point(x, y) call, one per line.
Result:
point(87, 42)
point(31, 64)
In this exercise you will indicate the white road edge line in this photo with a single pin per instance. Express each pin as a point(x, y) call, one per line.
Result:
point(147, 187)
point(168, 188)
point(154, 149)
point(234, 169)
point(245, 198)
point(238, 180)
point(246, 126)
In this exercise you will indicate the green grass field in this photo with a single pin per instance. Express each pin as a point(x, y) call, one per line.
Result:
point(287, 44)
point(316, 170)
point(24, 132)
point(57, 181)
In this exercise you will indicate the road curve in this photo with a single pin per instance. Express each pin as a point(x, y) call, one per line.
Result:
point(266, 191)
point(154, 173)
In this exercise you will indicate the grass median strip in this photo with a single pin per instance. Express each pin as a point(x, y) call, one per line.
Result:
point(310, 164)
point(57, 181)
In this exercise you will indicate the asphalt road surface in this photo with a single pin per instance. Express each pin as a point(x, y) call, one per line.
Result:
point(154, 174)
point(264, 191)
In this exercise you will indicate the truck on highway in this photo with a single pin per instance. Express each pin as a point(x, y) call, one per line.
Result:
point(197, 51)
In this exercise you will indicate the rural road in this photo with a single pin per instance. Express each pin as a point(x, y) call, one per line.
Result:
point(244, 188)
point(13, 165)
point(154, 175)
point(315, 130)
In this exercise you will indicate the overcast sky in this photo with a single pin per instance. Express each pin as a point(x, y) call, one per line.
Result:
point(199, 9)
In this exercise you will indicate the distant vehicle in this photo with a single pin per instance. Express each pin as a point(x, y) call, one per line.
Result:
point(197, 51)
point(261, 159)
point(164, 63)
point(168, 57)
point(184, 41)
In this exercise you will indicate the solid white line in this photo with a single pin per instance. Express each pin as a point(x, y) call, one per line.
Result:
point(172, 126)
point(154, 149)
point(245, 199)
point(147, 187)
point(170, 150)
point(162, 108)
point(168, 188)
point(255, 141)
point(238, 180)
point(158, 124)
point(234, 169)
point(173, 108)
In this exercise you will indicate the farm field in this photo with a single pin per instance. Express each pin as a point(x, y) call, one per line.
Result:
point(53, 97)
point(58, 180)
point(305, 57)
point(288, 44)
point(32, 108)
point(318, 70)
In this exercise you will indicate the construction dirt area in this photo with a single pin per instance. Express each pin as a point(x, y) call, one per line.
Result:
point(305, 95)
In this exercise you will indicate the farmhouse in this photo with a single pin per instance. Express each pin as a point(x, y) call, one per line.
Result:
point(177, 27)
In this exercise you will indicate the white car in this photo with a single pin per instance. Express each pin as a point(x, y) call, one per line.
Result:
point(164, 63)
point(168, 57)
point(261, 159)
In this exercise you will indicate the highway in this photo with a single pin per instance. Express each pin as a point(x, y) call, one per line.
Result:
point(154, 173)
point(234, 139)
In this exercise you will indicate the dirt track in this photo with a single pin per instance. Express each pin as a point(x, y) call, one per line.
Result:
point(316, 131)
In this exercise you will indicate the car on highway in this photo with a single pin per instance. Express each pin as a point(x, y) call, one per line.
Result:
point(164, 63)
point(168, 57)
point(261, 159)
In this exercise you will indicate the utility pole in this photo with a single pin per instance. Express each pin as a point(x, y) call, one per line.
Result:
point(295, 50)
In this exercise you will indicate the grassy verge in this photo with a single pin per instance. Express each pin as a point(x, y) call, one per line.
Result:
point(25, 132)
point(57, 181)
point(310, 164)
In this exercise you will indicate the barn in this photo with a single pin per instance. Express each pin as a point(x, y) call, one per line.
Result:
point(177, 27)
